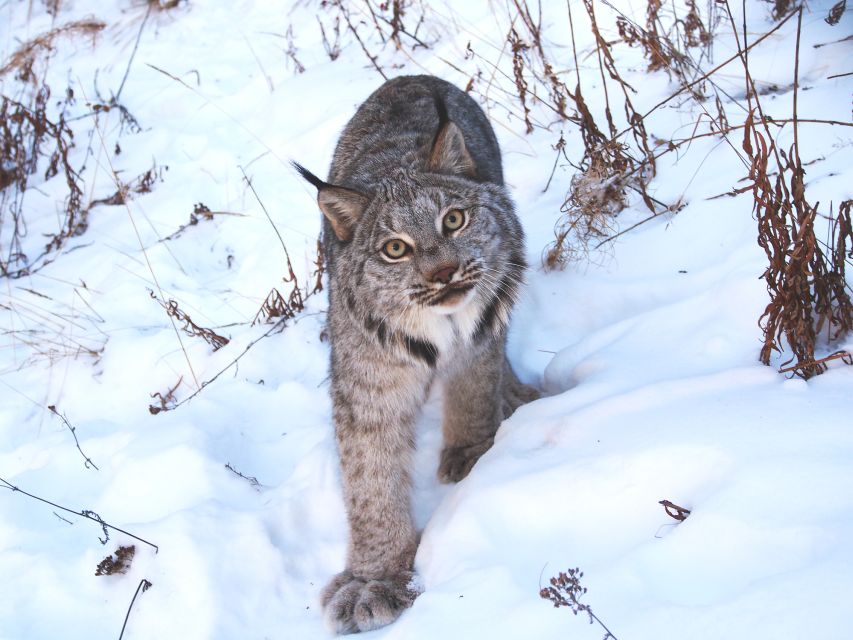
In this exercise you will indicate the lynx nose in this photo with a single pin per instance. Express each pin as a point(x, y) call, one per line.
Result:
point(443, 274)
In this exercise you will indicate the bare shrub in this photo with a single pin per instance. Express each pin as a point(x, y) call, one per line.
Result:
point(26, 137)
point(368, 22)
point(671, 35)
point(275, 306)
point(543, 69)
point(609, 167)
point(588, 213)
point(807, 290)
point(30, 139)
point(291, 50)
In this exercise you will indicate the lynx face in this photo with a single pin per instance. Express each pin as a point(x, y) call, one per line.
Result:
point(434, 245)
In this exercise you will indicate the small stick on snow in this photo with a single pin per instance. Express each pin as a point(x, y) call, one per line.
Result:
point(88, 460)
point(144, 585)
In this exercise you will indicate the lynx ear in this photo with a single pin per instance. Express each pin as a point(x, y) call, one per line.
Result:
point(449, 153)
point(343, 207)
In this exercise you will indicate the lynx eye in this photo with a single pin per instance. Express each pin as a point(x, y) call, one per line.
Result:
point(395, 249)
point(453, 220)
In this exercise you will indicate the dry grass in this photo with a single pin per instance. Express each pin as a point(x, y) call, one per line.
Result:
point(24, 58)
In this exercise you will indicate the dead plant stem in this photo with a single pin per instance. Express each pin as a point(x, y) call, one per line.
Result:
point(144, 585)
point(133, 53)
point(87, 459)
point(83, 513)
point(797, 80)
point(267, 213)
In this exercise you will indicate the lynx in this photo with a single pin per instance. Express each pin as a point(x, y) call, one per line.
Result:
point(425, 258)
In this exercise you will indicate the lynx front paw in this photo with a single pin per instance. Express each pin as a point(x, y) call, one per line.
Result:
point(456, 462)
point(353, 604)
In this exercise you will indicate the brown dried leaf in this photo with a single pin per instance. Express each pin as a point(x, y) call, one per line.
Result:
point(116, 563)
point(674, 511)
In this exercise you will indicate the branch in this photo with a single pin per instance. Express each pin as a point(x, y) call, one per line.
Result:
point(88, 460)
point(90, 515)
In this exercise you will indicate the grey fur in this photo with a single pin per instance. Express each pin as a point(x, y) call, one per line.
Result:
point(417, 149)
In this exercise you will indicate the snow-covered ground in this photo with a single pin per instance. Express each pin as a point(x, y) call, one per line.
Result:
point(647, 352)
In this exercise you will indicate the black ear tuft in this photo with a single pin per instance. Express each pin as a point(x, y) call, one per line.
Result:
point(343, 207)
point(310, 177)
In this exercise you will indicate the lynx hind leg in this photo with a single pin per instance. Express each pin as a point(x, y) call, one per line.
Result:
point(514, 392)
point(353, 604)
point(472, 414)
point(457, 462)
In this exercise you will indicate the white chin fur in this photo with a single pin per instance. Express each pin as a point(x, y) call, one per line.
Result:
point(446, 310)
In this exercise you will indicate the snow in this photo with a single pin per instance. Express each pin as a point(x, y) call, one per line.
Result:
point(648, 353)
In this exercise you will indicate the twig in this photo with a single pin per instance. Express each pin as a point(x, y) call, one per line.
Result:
point(260, 65)
point(269, 217)
point(90, 515)
point(133, 53)
point(360, 42)
point(631, 228)
point(560, 148)
point(144, 585)
point(190, 328)
point(164, 399)
point(87, 459)
point(402, 30)
point(204, 384)
point(673, 145)
point(251, 479)
point(219, 108)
